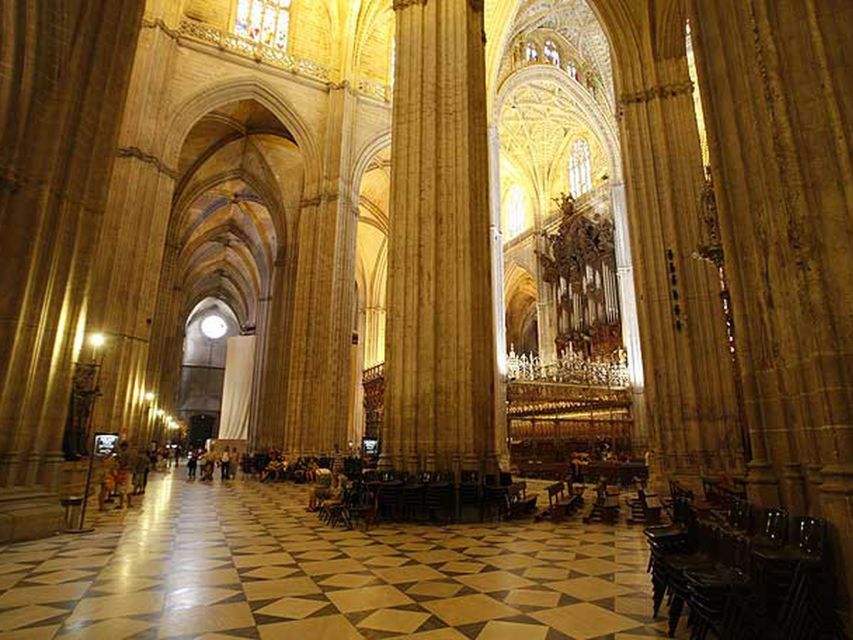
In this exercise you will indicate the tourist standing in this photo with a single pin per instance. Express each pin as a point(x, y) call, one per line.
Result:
point(140, 473)
point(107, 481)
point(225, 465)
point(192, 464)
point(124, 470)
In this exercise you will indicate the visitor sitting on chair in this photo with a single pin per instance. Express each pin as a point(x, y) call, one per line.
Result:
point(271, 471)
point(335, 494)
point(321, 490)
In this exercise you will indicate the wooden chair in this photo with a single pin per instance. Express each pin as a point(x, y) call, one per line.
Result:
point(439, 498)
point(558, 504)
point(520, 503)
point(470, 492)
point(645, 509)
point(606, 507)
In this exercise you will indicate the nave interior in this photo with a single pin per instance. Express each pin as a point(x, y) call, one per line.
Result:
point(244, 560)
point(472, 244)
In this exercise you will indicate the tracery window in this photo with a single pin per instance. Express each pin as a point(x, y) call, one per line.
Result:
point(265, 21)
point(551, 53)
point(515, 216)
point(531, 53)
point(580, 168)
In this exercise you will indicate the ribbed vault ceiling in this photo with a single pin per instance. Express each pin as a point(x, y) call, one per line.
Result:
point(227, 206)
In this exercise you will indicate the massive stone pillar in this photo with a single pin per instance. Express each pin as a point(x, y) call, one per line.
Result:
point(319, 390)
point(130, 251)
point(689, 389)
point(266, 428)
point(63, 81)
point(779, 102)
point(440, 354)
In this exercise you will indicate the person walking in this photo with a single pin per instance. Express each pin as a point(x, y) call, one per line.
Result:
point(225, 465)
point(192, 464)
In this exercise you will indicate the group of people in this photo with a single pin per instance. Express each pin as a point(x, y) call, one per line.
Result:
point(326, 474)
point(124, 473)
point(277, 468)
point(227, 460)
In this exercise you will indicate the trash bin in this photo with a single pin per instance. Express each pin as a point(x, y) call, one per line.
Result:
point(73, 505)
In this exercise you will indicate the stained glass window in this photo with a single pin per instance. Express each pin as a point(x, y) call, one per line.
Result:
point(572, 70)
point(264, 21)
point(551, 53)
point(531, 53)
point(580, 168)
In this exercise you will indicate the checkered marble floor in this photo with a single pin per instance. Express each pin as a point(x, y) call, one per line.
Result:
point(244, 560)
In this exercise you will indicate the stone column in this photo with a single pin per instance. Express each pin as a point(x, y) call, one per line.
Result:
point(440, 353)
point(167, 333)
point(63, 82)
point(630, 316)
point(374, 336)
point(499, 303)
point(318, 396)
point(130, 251)
point(361, 363)
point(779, 103)
point(266, 430)
point(691, 408)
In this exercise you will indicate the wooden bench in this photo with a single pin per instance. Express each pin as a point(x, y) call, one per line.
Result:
point(559, 504)
point(520, 503)
point(645, 509)
point(606, 507)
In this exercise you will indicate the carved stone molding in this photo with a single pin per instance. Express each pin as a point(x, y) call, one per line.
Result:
point(138, 154)
point(658, 92)
point(306, 203)
point(158, 23)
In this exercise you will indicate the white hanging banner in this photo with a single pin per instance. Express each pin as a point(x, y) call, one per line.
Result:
point(237, 388)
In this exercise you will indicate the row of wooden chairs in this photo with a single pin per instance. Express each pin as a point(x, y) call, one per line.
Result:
point(436, 495)
point(713, 566)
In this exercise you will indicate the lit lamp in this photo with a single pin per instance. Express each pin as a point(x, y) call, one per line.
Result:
point(85, 389)
point(96, 341)
point(149, 397)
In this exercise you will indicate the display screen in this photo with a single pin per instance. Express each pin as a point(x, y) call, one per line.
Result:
point(370, 445)
point(105, 443)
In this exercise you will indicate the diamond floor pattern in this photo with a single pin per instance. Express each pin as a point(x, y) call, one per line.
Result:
point(244, 560)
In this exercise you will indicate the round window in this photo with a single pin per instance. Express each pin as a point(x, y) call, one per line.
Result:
point(214, 327)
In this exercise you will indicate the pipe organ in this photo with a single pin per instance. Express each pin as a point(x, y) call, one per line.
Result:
point(579, 264)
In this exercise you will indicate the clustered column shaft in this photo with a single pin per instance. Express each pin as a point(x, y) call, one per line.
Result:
point(439, 403)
